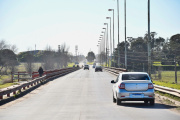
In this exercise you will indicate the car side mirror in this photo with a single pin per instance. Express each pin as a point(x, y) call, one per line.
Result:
point(112, 81)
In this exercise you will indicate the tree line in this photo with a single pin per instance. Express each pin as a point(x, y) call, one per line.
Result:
point(49, 58)
point(164, 51)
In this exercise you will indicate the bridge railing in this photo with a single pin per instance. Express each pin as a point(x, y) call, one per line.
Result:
point(50, 74)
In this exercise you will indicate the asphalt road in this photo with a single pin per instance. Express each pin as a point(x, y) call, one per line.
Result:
point(82, 95)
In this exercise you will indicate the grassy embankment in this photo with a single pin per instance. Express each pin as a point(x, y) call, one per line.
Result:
point(4, 78)
point(168, 79)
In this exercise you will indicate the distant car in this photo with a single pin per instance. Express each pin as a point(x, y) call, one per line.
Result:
point(133, 86)
point(98, 68)
point(94, 66)
point(76, 63)
point(86, 67)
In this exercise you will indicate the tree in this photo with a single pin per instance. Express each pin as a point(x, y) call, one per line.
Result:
point(159, 42)
point(91, 56)
point(175, 43)
point(29, 58)
point(7, 59)
point(64, 55)
point(3, 45)
point(175, 47)
point(48, 59)
point(7, 56)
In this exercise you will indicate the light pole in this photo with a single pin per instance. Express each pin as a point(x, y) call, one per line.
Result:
point(100, 48)
point(125, 34)
point(102, 37)
point(149, 41)
point(107, 60)
point(110, 41)
point(113, 35)
point(118, 33)
point(99, 44)
point(98, 51)
point(105, 47)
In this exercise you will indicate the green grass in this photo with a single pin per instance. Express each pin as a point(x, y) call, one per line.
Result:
point(90, 63)
point(167, 77)
point(21, 67)
point(159, 64)
point(4, 85)
point(7, 85)
point(70, 64)
point(170, 85)
point(4, 77)
point(168, 95)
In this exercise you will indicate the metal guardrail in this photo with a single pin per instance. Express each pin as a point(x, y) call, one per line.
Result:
point(163, 89)
point(36, 80)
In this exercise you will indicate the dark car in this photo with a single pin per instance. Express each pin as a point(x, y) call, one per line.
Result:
point(98, 68)
point(86, 67)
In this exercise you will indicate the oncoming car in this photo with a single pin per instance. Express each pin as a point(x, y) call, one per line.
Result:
point(133, 86)
point(86, 67)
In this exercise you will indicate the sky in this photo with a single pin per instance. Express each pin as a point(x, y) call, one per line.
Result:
point(26, 23)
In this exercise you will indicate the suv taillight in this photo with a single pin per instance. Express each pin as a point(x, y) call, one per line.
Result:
point(150, 86)
point(122, 86)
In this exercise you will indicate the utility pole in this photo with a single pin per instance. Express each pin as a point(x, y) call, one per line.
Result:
point(76, 49)
point(107, 55)
point(118, 34)
point(175, 69)
point(125, 34)
point(149, 41)
point(59, 48)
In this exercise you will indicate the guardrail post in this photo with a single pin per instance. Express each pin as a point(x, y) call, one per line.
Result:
point(1, 97)
point(32, 75)
point(12, 75)
point(8, 95)
point(18, 76)
point(14, 92)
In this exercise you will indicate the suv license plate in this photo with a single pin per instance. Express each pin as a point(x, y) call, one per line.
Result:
point(136, 95)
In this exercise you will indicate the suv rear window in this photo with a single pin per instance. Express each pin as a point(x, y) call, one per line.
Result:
point(135, 77)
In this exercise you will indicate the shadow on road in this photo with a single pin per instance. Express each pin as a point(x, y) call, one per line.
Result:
point(147, 106)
